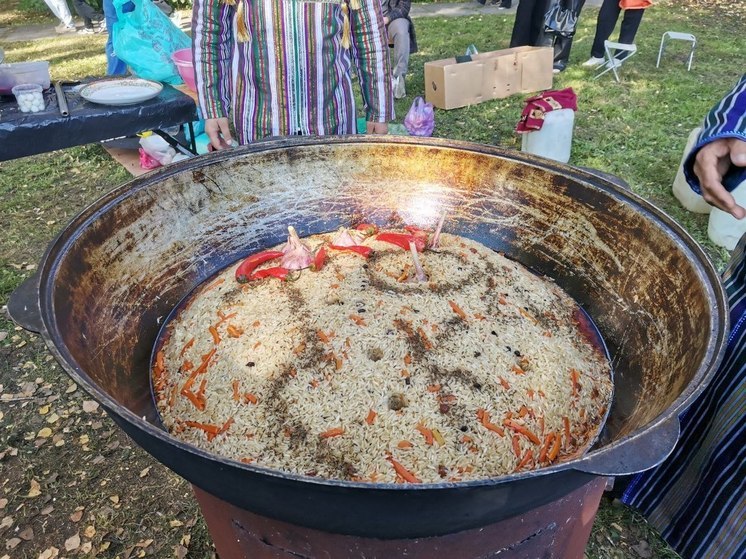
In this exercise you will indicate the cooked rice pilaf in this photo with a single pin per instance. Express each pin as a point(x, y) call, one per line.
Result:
point(357, 372)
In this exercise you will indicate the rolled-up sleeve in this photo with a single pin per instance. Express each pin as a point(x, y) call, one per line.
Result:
point(370, 51)
point(212, 46)
point(727, 119)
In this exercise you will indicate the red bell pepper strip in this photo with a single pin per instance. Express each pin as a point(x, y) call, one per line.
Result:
point(402, 240)
point(275, 272)
point(367, 229)
point(319, 259)
point(247, 267)
point(359, 249)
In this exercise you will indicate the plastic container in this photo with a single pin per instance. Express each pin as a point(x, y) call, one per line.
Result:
point(30, 97)
point(185, 65)
point(681, 189)
point(23, 73)
point(554, 140)
point(723, 229)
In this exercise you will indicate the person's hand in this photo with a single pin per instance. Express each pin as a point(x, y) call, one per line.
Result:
point(710, 165)
point(378, 128)
point(386, 20)
point(219, 132)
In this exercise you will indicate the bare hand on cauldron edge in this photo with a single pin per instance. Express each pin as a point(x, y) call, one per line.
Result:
point(219, 132)
point(711, 164)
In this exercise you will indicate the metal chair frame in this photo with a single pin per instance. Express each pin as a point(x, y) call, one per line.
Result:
point(679, 37)
point(612, 63)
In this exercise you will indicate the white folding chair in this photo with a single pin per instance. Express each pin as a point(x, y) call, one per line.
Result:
point(675, 35)
point(612, 62)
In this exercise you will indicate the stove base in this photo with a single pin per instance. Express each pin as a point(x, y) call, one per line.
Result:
point(558, 530)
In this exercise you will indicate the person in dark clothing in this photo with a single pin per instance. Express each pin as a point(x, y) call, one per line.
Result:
point(607, 18)
point(561, 44)
point(529, 23)
point(401, 33)
point(93, 19)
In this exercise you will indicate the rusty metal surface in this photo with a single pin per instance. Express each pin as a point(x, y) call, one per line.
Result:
point(115, 273)
point(558, 530)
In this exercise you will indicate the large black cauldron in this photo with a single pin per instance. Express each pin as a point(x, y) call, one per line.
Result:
point(110, 278)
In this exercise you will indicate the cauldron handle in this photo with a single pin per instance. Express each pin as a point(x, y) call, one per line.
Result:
point(23, 305)
point(643, 452)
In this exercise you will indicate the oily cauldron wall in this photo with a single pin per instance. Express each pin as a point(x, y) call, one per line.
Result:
point(113, 275)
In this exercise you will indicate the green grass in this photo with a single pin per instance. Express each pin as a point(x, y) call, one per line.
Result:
point(12, 14)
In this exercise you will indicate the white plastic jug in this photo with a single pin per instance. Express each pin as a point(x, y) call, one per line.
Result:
point(554, 140)
point(723, 229)
point(681, 189)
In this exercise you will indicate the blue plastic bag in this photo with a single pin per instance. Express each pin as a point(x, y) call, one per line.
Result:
point(144, 38)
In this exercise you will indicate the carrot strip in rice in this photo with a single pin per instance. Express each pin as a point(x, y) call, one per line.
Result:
point(186, 347)
point(249, 398)
point(523, 430)
point(223, 317)
point(526, 459)
point(403, 472)
point(234, 331)
point(371, 417)
point(357, 319)
point(424, 339)
point(206, 427)
point(427, 433)
point(458, 310)
point(404, 444)
point(505, 384)
point(333, 432)
point(215, 335)
point(545, 447)
point(484, 419)
point(434, 388)
point(554, 452)
point(568, 434)
point(236, 394)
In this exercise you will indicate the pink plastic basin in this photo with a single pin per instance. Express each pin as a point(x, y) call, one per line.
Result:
point(183, 60)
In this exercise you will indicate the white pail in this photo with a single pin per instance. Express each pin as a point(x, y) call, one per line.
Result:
point(554, 140)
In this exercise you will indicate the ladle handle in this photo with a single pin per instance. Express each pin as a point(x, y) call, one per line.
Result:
point(23, 305)
point(642, 453)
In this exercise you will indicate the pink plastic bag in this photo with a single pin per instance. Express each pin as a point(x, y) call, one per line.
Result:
point(148, 162)
point(420, 120)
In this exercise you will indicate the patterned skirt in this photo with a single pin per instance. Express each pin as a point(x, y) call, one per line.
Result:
point(697, 497)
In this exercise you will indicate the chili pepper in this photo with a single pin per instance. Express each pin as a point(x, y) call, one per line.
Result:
point(402, 240)
point(276, 272)
point(319, 259)
point(367, 229)
point(247, 267)
point(359, 249)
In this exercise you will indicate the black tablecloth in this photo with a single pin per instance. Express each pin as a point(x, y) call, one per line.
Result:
point(23, 134)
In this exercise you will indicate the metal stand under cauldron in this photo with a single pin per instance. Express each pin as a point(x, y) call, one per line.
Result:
point(558, 530)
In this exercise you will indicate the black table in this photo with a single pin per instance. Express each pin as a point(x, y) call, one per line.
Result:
point(23, 134)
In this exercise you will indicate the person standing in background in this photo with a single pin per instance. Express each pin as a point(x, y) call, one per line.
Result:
point(607, 18)
point(114, 66)
point(697, 497)
point(62, 12)
point(402, 35)
point(279, 68)
point(93, 19)
point(561, 43)
point(528, 26)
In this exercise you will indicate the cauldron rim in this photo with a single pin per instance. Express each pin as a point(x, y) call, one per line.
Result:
point(599, 461)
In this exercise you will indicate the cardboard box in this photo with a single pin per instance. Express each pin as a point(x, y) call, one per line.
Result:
point(489, 75)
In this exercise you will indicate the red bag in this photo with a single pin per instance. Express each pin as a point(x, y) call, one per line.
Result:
point(635, 4)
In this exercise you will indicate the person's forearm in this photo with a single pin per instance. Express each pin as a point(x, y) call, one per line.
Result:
point(212, 38)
